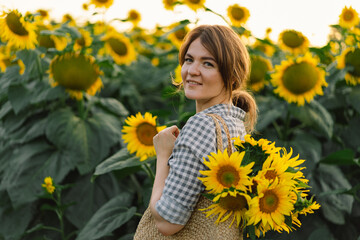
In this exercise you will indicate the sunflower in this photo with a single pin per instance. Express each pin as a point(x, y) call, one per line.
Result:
point(6, 58)
point(84, 41)
point(266, 48)
point(42, 14)
point(258, 150)
point(101, 27)
point(310, 208)
point(102, 3)
point(299, 80)
point(119, 47)
point(134, 17)
point(169, 4)
point(139, 133)
point(194, 4)
point(76, 73)
point(293, 41)
point(238, 15)
point(85, 6)
point(350, 57)
point(275, 169)
point(67, 18)
point(260, 66)
point(225, 172)
point(155, 61)
point(51, 41)
point(177, 80)
point(271, 205)
point(348, 18)
point(48, 185)
point(177, 37)
point(17, 31)
point(232, 203)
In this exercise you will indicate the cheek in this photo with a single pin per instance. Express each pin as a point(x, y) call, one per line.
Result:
point(183, 72)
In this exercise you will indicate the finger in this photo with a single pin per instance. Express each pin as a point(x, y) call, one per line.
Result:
point(175, 130)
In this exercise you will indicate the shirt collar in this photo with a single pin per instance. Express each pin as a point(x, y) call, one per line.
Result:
point(226, 109)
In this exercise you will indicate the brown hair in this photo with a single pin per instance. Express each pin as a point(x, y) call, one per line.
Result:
point(233, 60)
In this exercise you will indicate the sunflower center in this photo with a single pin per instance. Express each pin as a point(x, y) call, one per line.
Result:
point(43, 13)
point(353, 59)
point(180, 34)
point(46, 41)
point(133, 15)
point(102, 1)
point(118, 46)
point(348, 16)
point(13, 22)
point(269, 202)
point(195, 1)
point(81, 41)
point(74, 72)
point(259, 69)
point(237, 13)
point(270, 175)
point(228, 176)
point(292, 39)
point(145, 133)
point(300, 77)
point(233, 203)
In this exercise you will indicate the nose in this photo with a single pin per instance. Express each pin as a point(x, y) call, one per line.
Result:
point(194, 69)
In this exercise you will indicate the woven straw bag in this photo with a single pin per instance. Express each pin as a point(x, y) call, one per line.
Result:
point(199, 227)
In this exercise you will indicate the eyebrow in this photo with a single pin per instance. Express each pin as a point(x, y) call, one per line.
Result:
point(202, 58)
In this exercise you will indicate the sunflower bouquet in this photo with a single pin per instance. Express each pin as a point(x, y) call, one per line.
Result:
point(260, 186)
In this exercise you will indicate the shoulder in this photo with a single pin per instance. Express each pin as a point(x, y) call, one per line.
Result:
point(198, 135)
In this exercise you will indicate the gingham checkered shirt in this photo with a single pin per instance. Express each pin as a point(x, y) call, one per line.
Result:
point(196, 140)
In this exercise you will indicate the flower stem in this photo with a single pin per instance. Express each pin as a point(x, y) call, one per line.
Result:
point(81, 110)
point(218, 14)
point(149, 171)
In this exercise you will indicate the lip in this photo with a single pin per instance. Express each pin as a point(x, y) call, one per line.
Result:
point(193, 82)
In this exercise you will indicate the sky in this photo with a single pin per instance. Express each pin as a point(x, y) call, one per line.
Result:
point(311, 17)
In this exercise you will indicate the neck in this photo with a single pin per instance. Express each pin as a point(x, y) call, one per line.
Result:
point(200, 106)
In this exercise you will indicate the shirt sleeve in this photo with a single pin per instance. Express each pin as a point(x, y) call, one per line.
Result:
point(182, 186)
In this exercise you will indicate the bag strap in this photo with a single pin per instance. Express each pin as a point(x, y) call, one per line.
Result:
point(216, 118)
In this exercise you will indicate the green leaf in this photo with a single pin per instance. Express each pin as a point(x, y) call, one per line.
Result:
point(351, 134)
point(19, 97)
point(28, 167)
point(120, 160)
point(270, 109)
point(88, 141)
point(89, 196)
point(48, 94)
point(113, 105)
point(342, 157)
point(108, 218)
point(5, 109)
point(14, 221)
point(308, 147)
point(321, 233)
point(31, 60)
point(354, 98)
point(315, 116)
point(335, 207)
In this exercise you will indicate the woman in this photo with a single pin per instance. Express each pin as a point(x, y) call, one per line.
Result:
point(215, 65)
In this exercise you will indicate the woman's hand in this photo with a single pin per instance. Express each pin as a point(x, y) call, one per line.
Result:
point(164, 141)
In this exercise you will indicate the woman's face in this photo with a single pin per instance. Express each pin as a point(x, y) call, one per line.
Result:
point(201, 77)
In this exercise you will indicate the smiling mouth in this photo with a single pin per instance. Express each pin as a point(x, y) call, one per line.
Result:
point(193, 82)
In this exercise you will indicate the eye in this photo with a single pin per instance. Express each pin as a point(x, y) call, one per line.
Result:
point(208, 64)
point(188, 60)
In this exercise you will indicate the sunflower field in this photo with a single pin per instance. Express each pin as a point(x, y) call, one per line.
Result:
point(81, 102)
